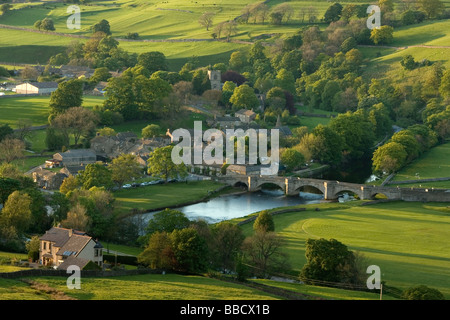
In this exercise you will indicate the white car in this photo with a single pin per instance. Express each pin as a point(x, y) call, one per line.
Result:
point(127, 186)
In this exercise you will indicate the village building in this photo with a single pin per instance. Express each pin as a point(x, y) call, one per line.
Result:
point(246, 116)
point(47, 179)
point(61, 248)
point(36, 88)
point(215, 78)
point(76, 71)
point(76, 157)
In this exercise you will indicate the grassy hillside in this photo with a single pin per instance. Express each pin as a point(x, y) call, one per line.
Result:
point(408, 241)
point(34, 108)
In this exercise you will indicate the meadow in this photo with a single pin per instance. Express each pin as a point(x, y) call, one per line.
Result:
point(162, 196)
point(35, 109)
point(408, 241)
point(433, 164)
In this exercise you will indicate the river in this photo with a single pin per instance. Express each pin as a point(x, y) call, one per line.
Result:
point(240, 205)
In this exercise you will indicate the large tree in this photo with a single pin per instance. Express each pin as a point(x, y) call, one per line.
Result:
point(206, 20)
point(95, 175)
point(389, 158)
point(68, 95)
point(227, 242)
point(125, 168)
point(160, 164)
point(153, 61)
point(328, 260)
point(78, 121)
point(432, 8)
point(167, 220)
point(11, 149)
point(244, 97)
point(15, 216)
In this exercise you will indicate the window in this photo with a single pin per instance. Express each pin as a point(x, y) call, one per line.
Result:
point(95, 252)
point(44, 245)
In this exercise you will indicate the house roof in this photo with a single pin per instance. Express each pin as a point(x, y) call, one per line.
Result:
point(246, 112)
point(73, 261)
point(45, 85)
point(76, 153)
point(74, 245)
point(59, 236)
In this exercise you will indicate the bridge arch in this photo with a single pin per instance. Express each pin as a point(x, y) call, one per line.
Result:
point(309, 188)
point(379, 196)
point(350, 192)
point(240, 184)
point(279, 185)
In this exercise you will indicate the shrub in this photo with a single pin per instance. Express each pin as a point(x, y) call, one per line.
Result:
point(422, 292)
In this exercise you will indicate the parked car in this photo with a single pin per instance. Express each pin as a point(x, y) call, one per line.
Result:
point(127, 186)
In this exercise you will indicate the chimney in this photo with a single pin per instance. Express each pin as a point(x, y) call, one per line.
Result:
point(70, 232)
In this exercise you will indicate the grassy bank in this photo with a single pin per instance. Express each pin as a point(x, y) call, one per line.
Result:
point(163, 196)
point(408, 241)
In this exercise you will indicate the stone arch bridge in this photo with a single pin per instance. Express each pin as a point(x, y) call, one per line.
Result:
point(332, 189)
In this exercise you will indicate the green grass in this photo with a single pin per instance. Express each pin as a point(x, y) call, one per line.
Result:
point(162, 196)
point(11, 289)
point(433, 164)
point(157, 287)
point(34, 108)
point(135, 251)
point(408, 241)
point(327, 293)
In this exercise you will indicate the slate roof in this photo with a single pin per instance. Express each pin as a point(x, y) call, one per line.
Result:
point(74, 245)
point(45, 85)
point(73, 261)
point(59, 236)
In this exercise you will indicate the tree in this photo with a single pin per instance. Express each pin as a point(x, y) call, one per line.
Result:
point(15, 216)
point(158, 252)
point(382, 35)
point(12, 149)
point(327, 146)
point(167, 220)
point(5, 131)
point(68, 95)
point(78, 121)
point(160, 164)
point(389, 158)
point(33, 248)
point(408, 141)
point(38, 24)
point(77, 218)
point(102, 26)
point(386, 5)
point(206, 20)
point(432, 8)
point(263, 251)
point(333, 13)
point(183, 90)
point(244, 97)
point(444, 88)
point(70, 183)
point(189, 250)
point(125, 168)
point(106, 132)
point(153, 61)
point(264, 222)
point(8, 186)
point(230, 29)
point(47, 25)
point(227, 243)
point(150, 131)
point(408, 62)
point(328, 260)
point(29, 73)
point(292, 159)
point(95, 175)
point(422, 292)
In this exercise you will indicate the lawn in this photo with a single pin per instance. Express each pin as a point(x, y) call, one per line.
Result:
point(408, 241)
point(162, 196)
point(157, 287)
point(327, 293)
point(433, 164)
point(34, 108)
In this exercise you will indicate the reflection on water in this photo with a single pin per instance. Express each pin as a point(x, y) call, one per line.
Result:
point(237, 206)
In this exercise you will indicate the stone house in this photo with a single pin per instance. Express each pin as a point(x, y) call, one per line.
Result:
point(215, 78)
point(47, 179)
point(246, 116)
point(61, 248)
point(76, 157)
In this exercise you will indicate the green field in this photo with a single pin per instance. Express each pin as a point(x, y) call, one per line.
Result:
point(34, 108)
point(162, 196)
point(433, 164)
point(408, 241)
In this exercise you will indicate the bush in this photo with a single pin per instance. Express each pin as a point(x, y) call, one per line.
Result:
point(422, 292)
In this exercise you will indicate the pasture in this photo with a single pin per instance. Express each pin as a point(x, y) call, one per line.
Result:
point(408, 241)
point(34, 108)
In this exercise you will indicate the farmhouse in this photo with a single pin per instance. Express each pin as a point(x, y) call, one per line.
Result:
point(36, 88)
point(61, 247)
